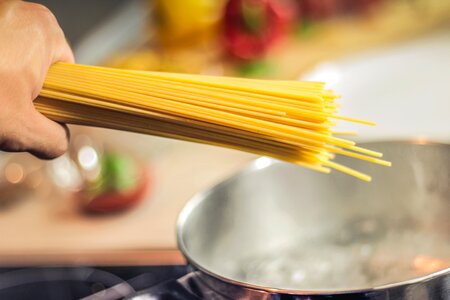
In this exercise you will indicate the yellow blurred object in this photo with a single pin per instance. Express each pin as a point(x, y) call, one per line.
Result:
point(186, 22)
point(139, 60)
point(170, 60)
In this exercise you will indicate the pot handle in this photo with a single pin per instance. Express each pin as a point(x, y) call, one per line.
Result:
point(183, 288)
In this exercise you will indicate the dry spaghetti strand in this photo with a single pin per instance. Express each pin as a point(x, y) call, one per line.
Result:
point(287, 120)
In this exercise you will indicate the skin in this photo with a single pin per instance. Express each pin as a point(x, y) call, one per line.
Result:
point(30, 42)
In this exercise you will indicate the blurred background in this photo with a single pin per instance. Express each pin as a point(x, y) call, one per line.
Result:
point(114, 198)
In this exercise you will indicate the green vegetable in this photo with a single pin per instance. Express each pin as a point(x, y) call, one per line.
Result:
point(118, 173)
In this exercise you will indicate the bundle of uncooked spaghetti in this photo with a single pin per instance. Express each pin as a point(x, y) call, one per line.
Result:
point(287, 120)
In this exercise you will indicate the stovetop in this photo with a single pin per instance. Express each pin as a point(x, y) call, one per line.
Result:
point(91, 283)
point(169, 282)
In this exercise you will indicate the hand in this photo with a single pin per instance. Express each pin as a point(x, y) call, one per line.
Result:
point(30, 41)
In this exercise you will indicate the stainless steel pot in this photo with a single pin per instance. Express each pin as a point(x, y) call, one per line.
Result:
point(278, 231)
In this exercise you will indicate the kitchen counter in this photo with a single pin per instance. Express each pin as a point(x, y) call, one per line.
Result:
point(51, 229)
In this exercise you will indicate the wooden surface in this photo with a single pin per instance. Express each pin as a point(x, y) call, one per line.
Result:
point(93, 258)
point(49, 226)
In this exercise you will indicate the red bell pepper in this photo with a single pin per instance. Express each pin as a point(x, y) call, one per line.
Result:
point(251, 27)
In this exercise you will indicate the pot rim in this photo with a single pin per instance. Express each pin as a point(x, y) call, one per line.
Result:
point(253, 166)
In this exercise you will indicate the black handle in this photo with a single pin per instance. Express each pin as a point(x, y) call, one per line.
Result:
point(176, 289)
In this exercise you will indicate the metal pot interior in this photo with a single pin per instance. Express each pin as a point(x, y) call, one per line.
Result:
point(280, 226)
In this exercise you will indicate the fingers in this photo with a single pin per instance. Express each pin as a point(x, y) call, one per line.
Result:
point(25, 129)
point(51, 139)
point(46, 139)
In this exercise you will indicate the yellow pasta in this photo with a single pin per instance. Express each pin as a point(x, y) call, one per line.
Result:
point(287, 120)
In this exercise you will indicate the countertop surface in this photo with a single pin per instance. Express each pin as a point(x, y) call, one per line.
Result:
point(49, 224)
